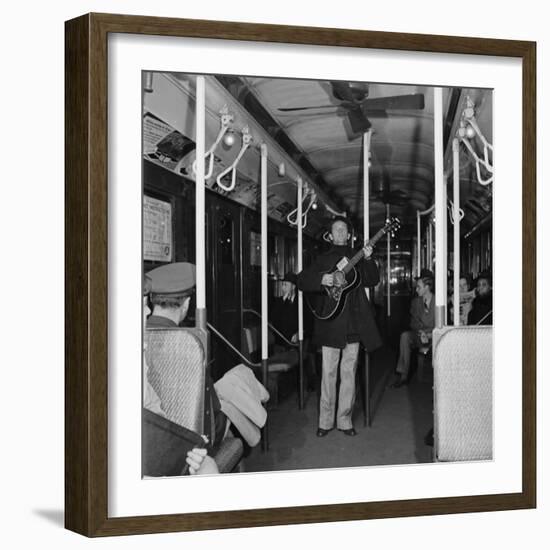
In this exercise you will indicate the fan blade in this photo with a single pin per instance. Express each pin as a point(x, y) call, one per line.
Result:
point(411, 101)
point(376, 114)
point(289, 109)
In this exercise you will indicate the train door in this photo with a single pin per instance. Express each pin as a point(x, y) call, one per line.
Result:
point(224, 283)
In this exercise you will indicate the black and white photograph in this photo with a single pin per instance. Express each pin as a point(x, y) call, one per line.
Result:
point(318, 275)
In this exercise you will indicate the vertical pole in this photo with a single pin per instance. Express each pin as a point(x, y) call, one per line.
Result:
point(366, 184)
point(418, 244)
point(429, 254)
point(388, 263)
point(366, 235)
point(264, 312)
point(200, 243)
point(263, 202)
point(456, 232)
point(440, 213)
point(300, 297)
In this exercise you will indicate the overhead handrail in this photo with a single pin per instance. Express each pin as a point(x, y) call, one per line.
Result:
point(451, 208)
point(217, 333)
point(273, 328)
point(292, 217)
point(226, 119)
point(469, 128)
point(246, 142)
point(479, 161)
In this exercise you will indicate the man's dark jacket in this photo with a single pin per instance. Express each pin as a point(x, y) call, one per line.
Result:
point(357, 320)
point(482, 310)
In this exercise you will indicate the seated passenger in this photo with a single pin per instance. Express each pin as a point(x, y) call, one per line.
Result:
point(482, 305)
point(465, 300)
point(171, 288)
point(197, 459)
point(422, 323)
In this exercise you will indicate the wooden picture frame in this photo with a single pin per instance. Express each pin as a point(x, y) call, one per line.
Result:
point(86, 279)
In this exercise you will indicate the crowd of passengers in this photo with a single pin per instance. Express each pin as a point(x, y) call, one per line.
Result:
point(168, 290)
point(475, 308)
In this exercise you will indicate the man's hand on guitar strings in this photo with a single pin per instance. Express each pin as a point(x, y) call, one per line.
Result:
point(368, 251)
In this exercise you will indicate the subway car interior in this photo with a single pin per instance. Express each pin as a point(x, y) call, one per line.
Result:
point(244, 177)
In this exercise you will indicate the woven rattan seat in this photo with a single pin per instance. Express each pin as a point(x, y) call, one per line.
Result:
point(463, 396)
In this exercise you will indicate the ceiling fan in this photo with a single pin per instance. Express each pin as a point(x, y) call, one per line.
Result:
point(382, 192)
point(355, 103)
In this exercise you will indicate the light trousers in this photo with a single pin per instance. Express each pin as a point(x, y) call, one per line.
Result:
point(346, 396)
point(409, 340)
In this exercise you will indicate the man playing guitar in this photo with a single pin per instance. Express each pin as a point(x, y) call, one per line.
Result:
point(339, 334)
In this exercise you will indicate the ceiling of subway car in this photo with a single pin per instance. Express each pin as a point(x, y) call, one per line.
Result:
point(312, 121)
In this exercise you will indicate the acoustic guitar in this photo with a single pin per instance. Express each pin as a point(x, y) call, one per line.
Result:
point(346, 278)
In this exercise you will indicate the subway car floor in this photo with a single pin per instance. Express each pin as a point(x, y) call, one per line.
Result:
point(400, 421)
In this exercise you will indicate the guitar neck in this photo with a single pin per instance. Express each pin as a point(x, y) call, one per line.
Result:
point(359, 255)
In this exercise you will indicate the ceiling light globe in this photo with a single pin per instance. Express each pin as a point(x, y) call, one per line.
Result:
point(229, 139)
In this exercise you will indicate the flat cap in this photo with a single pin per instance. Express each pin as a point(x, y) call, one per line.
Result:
point(173, 279)
point(425, 273)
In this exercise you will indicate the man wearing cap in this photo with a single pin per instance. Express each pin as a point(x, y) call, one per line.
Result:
point(171, 288)
point(422, 324)
point(339, 337)
point(198, 461)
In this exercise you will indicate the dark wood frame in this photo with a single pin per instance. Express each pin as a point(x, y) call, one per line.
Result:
point(86, 274)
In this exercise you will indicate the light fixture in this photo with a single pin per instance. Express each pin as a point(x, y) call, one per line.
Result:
point(470, 132)
point(229, 138)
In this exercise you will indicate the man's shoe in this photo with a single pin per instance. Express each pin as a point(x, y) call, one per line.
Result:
point(349, 431)
point(321, 432)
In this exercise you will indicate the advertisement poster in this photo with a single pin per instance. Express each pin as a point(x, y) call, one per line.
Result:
point(157, 230)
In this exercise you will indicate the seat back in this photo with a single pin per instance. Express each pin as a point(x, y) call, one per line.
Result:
point(463, 393)
point(252, 341)
point(177, 367)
